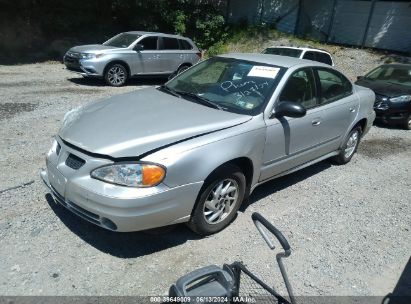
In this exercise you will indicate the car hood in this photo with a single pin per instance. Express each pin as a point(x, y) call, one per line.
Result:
point(385, 88)
point(92, 48)
point(135, 123)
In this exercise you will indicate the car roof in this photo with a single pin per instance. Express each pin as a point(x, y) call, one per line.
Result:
point(153, 33)
point(282, 61)
point(298, 48)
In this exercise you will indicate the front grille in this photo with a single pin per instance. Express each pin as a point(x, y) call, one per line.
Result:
point(74, 162)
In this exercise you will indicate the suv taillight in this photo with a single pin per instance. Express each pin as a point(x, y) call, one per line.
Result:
point(200, 54)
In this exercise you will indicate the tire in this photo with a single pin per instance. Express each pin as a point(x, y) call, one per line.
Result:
point(407, 123)
point(222, 206)
point(182, 69)
point(116, 75)
point(349, 147)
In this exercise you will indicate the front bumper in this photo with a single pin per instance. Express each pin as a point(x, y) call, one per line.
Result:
point(85, 67)
point(393, 117)
point(114, 207)
point(393, 113)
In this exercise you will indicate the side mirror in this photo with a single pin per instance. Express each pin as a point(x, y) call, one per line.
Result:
point(139, 47)
point(289, 109)
point(360, 77)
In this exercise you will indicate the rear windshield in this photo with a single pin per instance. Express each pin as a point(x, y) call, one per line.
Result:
point(122, 40)
point(283, 52)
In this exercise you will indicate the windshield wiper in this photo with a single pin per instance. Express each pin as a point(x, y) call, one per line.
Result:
point(169, 90)
point(201, 99)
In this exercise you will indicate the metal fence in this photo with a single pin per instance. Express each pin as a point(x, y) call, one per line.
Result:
point(374, 23)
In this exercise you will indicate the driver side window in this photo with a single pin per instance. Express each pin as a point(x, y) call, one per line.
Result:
point(149, 43)
point(300, 88)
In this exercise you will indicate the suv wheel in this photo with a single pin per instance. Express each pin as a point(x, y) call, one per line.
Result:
point(116, 75)
point(349, 147)
point(182, 69)
point(219, 201)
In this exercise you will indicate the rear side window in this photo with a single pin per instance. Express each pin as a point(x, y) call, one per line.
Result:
point(324, 58)
point(333, 85)
point(149, 43)
point(170, 43)
point(283, 52)
point(185, 45)
point(310, 56)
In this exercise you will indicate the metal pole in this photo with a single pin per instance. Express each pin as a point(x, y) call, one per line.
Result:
point(262, 11)
point(297, 23)
point(228, 10)
point(330, 27)
point(368, 22)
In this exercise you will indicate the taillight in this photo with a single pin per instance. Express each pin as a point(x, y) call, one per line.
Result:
point(200, 55)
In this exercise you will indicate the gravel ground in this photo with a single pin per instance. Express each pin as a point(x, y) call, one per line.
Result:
point(349, 226)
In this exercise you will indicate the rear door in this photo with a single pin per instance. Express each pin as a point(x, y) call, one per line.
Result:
point(191, 53)
point(171, 55)
point(338, 103)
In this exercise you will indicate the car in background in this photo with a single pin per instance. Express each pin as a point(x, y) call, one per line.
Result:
point(391, 84)
point(194, 149)
point(131, 54)
point(302, 53)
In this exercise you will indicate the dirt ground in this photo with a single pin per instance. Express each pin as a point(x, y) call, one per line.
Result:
point(348, 226)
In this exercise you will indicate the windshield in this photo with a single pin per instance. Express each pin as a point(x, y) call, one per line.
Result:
point(232, 85)
point(400, 75)
point(122, 40)
point(283, 52)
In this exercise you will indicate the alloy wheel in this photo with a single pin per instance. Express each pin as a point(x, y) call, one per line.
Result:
point(116, 75)
point(351, 144)
point(221, 201)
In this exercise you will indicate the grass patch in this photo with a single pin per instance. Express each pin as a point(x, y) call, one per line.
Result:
point(255, 39)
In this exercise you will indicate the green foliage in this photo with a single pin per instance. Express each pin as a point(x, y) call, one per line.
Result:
point(31, 26)
point(216, 49)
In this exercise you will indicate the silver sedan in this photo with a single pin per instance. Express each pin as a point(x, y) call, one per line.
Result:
point(195, 148)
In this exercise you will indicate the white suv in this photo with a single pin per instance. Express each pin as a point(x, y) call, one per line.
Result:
point(302, 53)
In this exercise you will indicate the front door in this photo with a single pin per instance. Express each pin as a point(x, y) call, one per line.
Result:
point(291, 142)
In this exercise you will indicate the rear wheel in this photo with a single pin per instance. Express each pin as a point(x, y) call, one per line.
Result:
point(219, 201)
point(349, 147)
point(182, 69)
point(116, 75)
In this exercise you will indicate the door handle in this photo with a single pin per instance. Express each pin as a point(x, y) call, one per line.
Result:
point(352, 109)
point(316, 122)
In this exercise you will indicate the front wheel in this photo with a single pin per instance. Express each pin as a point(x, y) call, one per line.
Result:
point(407, 124)
point(116, 75)
point(219, 201)
point(349, 147)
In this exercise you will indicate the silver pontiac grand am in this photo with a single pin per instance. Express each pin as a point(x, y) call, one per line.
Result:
point(194, 149)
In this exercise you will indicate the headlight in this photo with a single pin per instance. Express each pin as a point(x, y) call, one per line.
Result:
point(403, 98)
point(139, 174)
point(87, 55)
point(53, 148)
